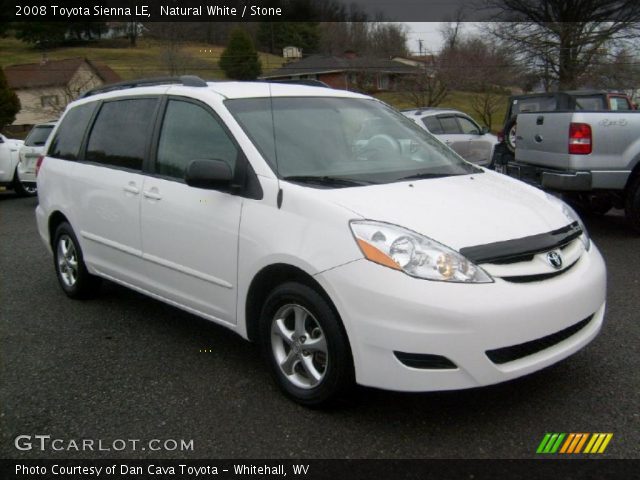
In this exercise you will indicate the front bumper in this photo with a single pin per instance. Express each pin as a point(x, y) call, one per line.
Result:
point(386, 311)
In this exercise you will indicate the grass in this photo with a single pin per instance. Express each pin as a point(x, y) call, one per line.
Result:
point(457, 100)
point(153, 58)
point(149, 58)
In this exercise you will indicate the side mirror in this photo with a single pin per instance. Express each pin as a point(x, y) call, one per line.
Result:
point(209, 174)
point(484, 130)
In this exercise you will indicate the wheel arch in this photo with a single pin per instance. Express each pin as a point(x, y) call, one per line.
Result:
point(55, 219)
point(265, 281)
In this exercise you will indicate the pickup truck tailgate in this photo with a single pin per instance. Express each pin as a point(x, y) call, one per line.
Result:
point(543, 139)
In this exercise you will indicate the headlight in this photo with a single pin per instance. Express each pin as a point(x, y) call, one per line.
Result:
point(571, 215)
point(414, 254)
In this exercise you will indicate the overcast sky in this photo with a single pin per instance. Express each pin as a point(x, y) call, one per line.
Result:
point(429, 33)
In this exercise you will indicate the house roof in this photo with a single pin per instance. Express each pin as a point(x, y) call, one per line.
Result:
point(53, 73)
point(315, 64)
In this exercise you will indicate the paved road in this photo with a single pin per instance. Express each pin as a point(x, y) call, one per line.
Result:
point(123, 366)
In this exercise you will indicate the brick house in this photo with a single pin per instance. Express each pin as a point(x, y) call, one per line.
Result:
point(348, 72)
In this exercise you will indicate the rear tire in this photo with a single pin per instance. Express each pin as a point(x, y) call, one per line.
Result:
point(305, 346)
point(632, 204)
point(21, 189)
point(72, 273)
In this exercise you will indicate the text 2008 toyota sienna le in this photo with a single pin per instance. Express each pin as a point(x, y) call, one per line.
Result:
point(322, 224)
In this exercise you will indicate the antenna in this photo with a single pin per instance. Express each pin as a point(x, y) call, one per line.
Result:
point(275, 146)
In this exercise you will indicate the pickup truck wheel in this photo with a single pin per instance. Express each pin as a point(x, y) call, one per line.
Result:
point(632, 204)
point(510, 135)
point(72, 273)
point(305, 346)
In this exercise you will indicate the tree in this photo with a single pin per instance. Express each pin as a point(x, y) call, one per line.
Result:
point(561, 38)
point(9, 102)
point(274, 36)
point(424, 89)
point(239, 60)
point(486, 104)
point(41, 34)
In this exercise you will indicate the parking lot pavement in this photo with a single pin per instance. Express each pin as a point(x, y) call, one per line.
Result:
point(123, 366)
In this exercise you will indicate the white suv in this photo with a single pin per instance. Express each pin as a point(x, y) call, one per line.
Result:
point(350, 253)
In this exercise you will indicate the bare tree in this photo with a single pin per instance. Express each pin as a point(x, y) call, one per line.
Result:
point(424, 89)
point(560, 38)
point(486, 104)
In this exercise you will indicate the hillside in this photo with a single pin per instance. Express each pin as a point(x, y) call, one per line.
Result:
point(149, 58)
point(156, 58)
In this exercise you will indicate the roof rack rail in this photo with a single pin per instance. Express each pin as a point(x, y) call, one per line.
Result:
point(186, 80)
point(311, 82)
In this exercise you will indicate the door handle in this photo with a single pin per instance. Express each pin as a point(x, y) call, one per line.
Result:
point(132, 188)
point(152, 194)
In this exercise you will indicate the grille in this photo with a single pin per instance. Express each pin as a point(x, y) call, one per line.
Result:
point(516, 352)
point(425, 361)
point(538, 277)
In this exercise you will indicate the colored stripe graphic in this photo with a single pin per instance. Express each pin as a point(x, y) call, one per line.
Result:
point(573, 443)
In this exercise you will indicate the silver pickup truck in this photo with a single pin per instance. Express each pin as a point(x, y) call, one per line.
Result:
point(592, 157)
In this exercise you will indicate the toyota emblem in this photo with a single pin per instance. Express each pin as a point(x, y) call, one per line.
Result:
point(554, 259)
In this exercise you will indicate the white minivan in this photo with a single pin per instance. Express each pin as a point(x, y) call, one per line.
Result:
point(351, 254)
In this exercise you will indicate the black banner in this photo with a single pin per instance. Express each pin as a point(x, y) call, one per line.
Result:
point(543, 469)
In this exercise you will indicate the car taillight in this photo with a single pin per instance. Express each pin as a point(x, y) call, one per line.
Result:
point(501, 136)
point(580, 139)
point(39, 163)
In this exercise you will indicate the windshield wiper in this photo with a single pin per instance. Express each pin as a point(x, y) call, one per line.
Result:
point(420, 176)
point(326, 180)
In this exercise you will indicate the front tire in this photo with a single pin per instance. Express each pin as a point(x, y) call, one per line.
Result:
point(305, 346)
point(72, 273)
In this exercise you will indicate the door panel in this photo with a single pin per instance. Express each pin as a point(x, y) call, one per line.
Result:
point(190, 235)
point(108, 185)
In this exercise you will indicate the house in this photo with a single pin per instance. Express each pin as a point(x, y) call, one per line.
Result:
point(45, 88)
point(349, 72)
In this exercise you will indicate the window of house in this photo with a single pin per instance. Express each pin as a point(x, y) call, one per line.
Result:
point(49, 101)
point(383, 82)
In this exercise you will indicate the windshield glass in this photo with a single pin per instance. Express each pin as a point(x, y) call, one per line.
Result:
point(343, 139)
point(38, 136)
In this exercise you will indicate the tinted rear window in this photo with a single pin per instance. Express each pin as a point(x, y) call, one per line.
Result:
point(38, 136)
point(432, 124)
point(121, 132)
point(68, 139)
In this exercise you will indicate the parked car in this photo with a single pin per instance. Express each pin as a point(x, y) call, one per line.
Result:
point(593, 157)
point(387, 261)
point(9, 148)
point(574, 100)
point(29, 152)
point(458, 130)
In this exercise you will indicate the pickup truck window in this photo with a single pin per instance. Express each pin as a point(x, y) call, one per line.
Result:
point(592, 103)
point(619, 103)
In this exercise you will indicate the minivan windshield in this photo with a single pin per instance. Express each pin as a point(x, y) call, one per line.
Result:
point(342, 141)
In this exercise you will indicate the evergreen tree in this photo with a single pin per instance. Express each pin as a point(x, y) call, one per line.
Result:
point(9, 102)
point(239, 61)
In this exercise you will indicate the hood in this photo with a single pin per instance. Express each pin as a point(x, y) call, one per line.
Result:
point(459, 211)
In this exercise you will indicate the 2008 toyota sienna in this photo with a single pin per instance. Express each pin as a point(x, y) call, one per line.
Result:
point(323, 225)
